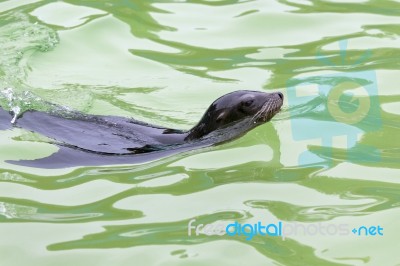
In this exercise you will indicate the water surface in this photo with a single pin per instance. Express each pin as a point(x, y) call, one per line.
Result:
point(330, 157)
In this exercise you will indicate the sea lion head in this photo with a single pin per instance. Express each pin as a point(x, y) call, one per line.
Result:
point(255, 106)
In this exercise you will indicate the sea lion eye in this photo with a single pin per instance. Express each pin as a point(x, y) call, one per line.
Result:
point(248, 102)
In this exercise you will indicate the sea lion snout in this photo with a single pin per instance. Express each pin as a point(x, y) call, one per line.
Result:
point(271, 106)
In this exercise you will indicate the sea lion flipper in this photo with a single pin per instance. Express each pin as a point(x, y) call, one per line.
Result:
point(145, 149)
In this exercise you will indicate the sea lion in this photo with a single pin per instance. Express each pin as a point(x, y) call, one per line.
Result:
point(95, 140)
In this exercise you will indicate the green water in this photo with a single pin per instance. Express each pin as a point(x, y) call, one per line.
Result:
point(331, 157)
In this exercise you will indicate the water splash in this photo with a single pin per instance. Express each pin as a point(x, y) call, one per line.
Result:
point(8, 94)
point(20, 38)
point(19, 102)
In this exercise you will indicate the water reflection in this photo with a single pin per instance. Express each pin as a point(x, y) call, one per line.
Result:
point(164, 62)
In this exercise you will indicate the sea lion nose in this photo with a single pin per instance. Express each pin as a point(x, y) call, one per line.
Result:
point(280, 95)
